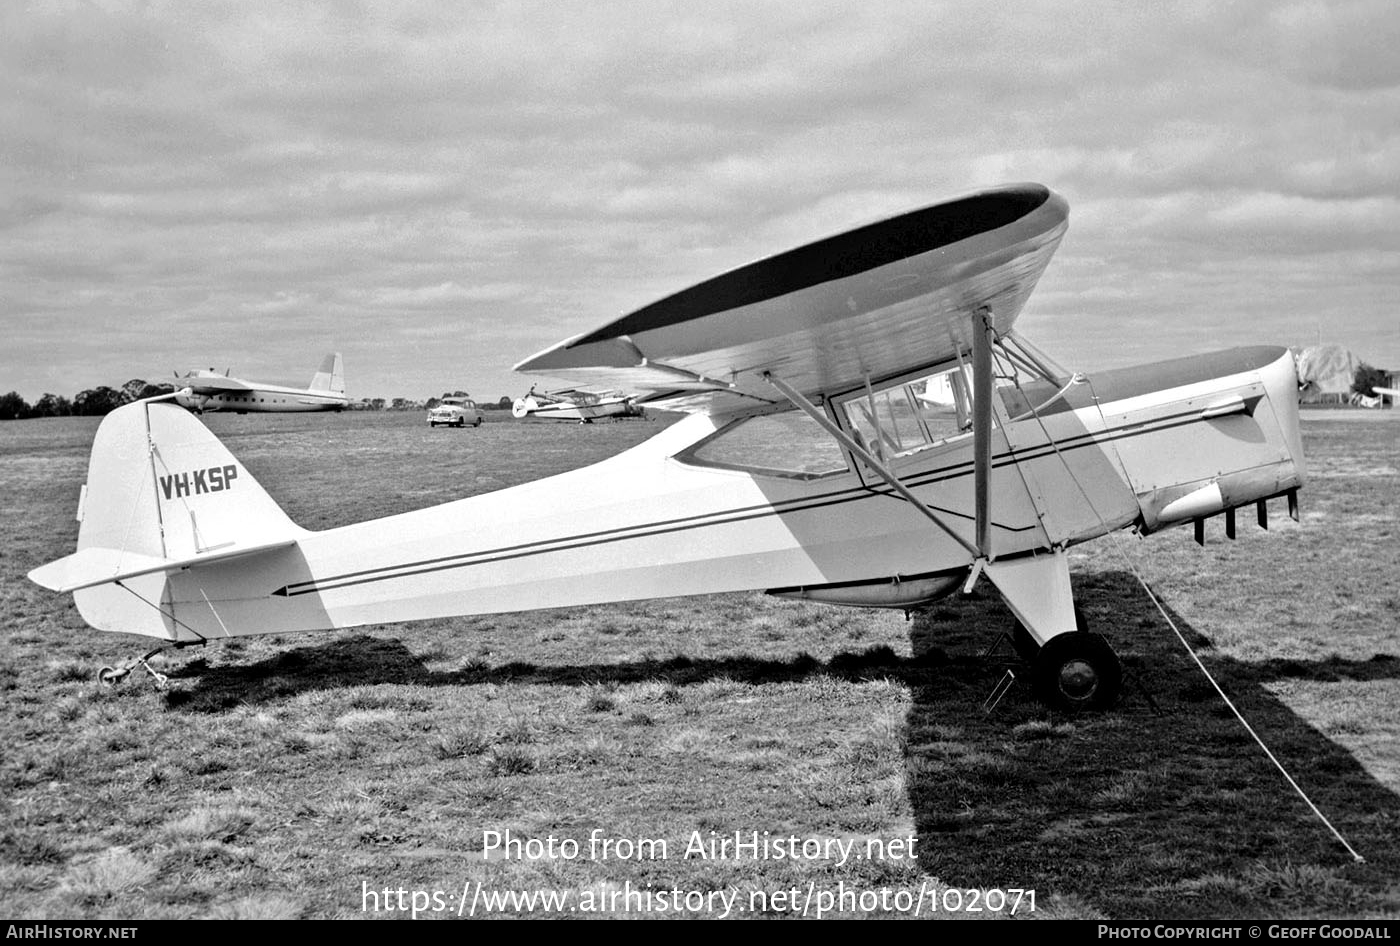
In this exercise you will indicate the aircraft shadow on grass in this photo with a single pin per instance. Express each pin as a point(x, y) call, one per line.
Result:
point(1164, 799)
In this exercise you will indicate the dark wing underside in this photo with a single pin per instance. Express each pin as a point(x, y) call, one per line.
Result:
point(876, 301)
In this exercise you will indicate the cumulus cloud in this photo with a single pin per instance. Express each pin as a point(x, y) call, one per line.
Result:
point(355, 175)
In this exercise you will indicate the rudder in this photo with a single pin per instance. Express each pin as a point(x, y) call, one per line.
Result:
point(331, 375)
point(162, 494)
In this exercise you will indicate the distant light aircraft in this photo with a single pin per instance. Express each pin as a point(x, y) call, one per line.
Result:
point(580, 407)
point(865, 429)
point(204, 389)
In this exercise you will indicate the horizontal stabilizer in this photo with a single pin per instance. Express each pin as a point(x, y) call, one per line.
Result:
point(94, 566)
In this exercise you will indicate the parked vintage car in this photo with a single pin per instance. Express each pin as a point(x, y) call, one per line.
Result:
point(455, 412)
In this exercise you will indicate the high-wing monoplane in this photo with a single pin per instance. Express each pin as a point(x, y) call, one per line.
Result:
point(865, 428)
point(205, 389)
point(579, 407)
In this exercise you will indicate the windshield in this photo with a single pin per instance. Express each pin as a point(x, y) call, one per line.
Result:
point(788, 444)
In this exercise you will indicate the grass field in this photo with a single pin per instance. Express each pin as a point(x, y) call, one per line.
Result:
point(302, 776)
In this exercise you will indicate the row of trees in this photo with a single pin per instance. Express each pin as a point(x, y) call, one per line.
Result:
point(1367, 378)
point(408, 404)
point(93, 402)
point(500, 405)
point(96, 402)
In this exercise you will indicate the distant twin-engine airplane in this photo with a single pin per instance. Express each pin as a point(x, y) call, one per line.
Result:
point(865, 428)
point(204, 389)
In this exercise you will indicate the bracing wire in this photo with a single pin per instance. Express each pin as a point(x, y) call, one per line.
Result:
point(1132, 567)
point(164, 613)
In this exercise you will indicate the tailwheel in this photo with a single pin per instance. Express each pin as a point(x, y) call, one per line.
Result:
point(111, 676)
point(1077, 671)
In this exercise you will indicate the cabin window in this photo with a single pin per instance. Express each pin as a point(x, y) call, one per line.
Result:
point(910, 415)
point(788, 444)
point(945, 405)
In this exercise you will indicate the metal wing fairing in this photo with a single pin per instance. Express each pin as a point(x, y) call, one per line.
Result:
point(872, 302)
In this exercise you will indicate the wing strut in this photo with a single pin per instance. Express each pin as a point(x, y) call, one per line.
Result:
point(982, 423)
point(866, 457)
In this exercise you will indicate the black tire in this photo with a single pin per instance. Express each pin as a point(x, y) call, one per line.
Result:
point(478, 421)
point(1076, 672)
point(461, 422)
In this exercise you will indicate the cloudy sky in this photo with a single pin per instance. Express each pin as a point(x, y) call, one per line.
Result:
point(440, 189)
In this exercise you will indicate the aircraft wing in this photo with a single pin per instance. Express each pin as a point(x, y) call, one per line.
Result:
point(874, 301)
point(213, 384)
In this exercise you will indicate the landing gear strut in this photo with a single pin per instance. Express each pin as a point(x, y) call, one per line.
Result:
point(111, 676)
point(1070, 669)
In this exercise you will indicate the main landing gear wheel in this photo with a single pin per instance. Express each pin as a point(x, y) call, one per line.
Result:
point(1077, 671)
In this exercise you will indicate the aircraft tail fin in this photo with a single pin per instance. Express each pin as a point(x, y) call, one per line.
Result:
point(163, 494)
point(331, 376)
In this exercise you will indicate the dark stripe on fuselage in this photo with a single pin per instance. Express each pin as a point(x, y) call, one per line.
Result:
point(836, 257)
point(740, 514)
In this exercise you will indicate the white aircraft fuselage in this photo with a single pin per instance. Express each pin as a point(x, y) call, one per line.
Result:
point(1147, 445)
point(204, 390)
point(262, 398)
point(866, 428)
